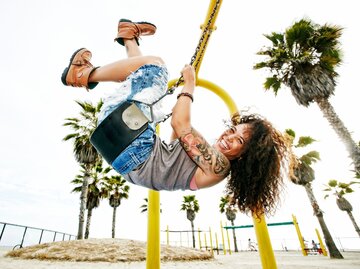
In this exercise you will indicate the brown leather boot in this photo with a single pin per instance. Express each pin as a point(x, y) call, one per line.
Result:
point(129, 30)
point(79, 69)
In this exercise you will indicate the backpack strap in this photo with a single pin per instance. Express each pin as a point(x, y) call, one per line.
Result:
point(118, 130)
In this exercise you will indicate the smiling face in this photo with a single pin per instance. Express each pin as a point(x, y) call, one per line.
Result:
point(232, 142)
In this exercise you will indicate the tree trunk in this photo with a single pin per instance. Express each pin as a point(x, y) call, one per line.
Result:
point(87, 230)
point(354, 222)
point(234, 236)
point(83, 195)
point(339, 127)
point(113, 223)
point(334, 252)
point(193, 233)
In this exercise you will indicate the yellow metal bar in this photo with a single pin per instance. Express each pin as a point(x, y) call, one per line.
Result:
point(222, 236)
point(264, 244)
point(208, 14)
point(153, 232)
point(205, 241)
point(211, 28)
point(167, 234)
point(217, 244)
point(266, 253)
point(228, 239)
point(322, 246)
point(153, 240)
point(199, 238)
point(220, 92)
point(211, 242)
point(300, 237)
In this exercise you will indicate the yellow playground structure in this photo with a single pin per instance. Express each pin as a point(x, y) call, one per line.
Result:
point(153, 232)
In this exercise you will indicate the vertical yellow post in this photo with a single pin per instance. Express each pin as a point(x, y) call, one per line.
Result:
point(217, 244)
point(211, 243)
point(228, 239)
point(264, 244)
point(205, 241)
point(153, 232)
point(300, 237)
point(167, 234)
point(222, 236)
point(322, 246)
point(199, 238)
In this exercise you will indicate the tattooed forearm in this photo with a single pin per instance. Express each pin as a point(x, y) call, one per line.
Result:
point(221, 165)
point(203, 154)
point(204, 151)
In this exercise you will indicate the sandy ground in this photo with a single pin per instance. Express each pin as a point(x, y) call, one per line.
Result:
point(122, 254)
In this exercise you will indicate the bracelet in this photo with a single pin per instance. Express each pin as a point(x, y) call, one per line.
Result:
point(187, 95)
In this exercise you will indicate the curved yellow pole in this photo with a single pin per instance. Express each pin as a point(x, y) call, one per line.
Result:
point(263, 239)
point(266, 253)
point(215, 89)
point(153, 237)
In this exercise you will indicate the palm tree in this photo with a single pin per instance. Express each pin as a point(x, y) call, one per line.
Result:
point(96, 190)
point(303, 175)
point(191, 206)
point(357, 173)
point(84, 152)
point(339, 189)
point(304, 59)
point(117, 190)
point(230, 212)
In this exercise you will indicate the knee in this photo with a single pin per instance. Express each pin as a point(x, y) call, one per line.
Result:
point(156, 60)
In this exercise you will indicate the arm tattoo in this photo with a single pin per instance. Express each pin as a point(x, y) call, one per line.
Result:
point(205, 156)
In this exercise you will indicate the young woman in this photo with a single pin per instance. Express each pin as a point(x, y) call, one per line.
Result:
point(249, 153)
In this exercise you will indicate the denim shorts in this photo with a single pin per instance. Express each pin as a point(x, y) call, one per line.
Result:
point(147, 84)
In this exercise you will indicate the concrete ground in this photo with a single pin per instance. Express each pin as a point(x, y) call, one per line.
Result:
point(243, 260)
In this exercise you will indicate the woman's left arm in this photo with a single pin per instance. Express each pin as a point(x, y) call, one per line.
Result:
point(213, 166)
point(181, 112)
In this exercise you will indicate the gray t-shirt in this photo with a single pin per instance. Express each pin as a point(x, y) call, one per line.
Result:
point(167, 168)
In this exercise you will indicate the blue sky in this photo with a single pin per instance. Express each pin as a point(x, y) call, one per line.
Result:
point(36, 166)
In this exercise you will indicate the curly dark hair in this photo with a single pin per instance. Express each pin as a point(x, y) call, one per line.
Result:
point(256, 178)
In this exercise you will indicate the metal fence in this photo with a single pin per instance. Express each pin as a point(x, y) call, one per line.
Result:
point(18, 236)
point(202, 240)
